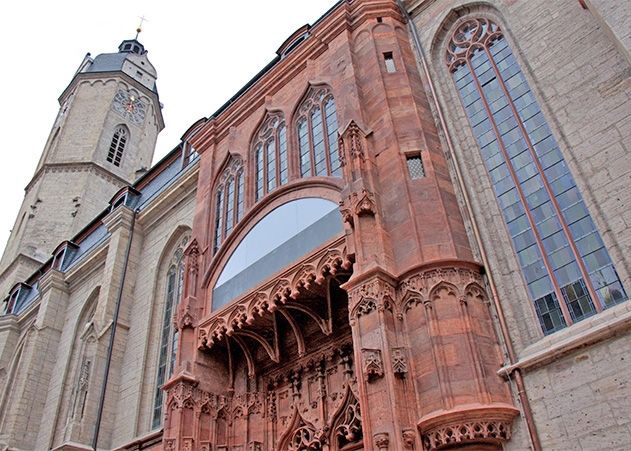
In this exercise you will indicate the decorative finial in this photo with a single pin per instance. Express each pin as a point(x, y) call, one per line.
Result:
point(139, 29)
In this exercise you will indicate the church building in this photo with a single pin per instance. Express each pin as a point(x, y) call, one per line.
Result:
point(410, 231)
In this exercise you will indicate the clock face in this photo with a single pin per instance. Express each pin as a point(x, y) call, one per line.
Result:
point(129, 106)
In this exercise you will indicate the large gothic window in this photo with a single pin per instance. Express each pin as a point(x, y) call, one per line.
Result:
point(117, 146)
point(270, 155)
point(169, 334)
point(567, 269)
point(316, 128)
point(228, 201)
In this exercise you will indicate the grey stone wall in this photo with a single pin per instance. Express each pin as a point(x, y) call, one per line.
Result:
point(581, 77)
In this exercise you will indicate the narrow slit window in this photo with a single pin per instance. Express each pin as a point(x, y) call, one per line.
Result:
point(389, 61)
point(415, 167)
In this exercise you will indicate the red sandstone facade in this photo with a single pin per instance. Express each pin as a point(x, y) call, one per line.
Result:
point(380, 339)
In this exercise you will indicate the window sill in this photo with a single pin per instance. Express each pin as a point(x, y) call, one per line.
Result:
point(598, 328)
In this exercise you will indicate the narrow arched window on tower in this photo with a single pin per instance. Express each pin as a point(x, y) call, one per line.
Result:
point(117, 146)
point(316, 127)
point(271, 167)
point(228, 201)
point(169, 334)
point(565, 264)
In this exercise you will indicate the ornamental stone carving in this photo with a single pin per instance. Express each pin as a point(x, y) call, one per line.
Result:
point(409, 437)
point(350, 143)
point(376, 293)
point(269, 297)
point(382, 440)
point(399, 362)
point(373, 364)
point(444, 436)
point(421, 287)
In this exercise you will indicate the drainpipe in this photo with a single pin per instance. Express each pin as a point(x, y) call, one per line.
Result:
point(110, 348)
point(506, 340)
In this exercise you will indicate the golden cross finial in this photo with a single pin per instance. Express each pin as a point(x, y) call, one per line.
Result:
point(139, 29)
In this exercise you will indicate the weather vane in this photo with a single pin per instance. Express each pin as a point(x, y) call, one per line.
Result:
point(139, 29)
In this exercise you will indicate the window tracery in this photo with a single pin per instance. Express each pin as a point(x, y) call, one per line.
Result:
point(117, 146)
point(567, 269)
point(316, 127)
point(169, 333)
point(270, 155)
point(229, 201)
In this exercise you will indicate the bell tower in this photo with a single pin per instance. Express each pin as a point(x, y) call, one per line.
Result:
point(103, 138)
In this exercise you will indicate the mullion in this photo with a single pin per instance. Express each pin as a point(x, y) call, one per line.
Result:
point(524, 132)
point(566, 315)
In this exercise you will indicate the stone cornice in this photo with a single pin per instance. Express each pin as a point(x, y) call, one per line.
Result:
point(76, 167)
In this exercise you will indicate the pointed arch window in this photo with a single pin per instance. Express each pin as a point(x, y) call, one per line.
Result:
point(169, 334)
point(117, 146)
point(270, 155)
point(316, 128)
point(565, 264)
point(228, 202)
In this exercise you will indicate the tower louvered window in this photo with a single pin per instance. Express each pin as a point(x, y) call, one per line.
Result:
point(169, 334)
point(229, 202)
point(270, 155)
point(117, 146)
point(316, 128)
point(565, 264)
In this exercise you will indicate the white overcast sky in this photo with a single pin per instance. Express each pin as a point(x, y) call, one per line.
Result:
point(204, 51)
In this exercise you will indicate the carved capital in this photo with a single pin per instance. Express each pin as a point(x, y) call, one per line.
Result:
point(382, 440)
point(372, 364)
